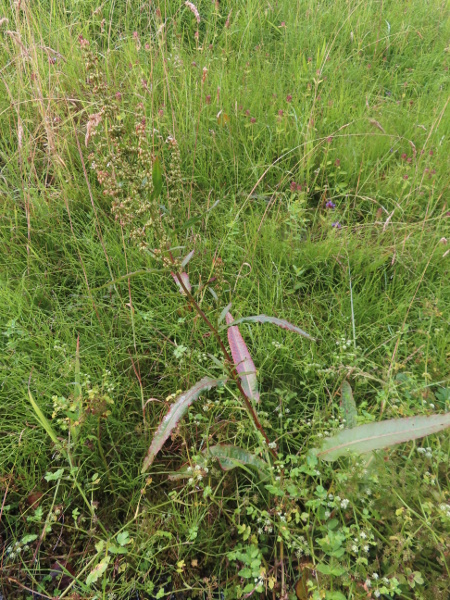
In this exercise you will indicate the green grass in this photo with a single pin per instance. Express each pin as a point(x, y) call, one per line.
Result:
point(348, 100)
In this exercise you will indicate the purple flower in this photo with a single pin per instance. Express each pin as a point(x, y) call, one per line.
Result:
point(330, 204)
point(337, 225)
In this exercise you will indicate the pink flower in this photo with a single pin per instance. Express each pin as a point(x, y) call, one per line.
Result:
point(404, 156)
point(282, 24)
point(280, 112)
point(253, 120)
point(289, 98)
point(208, 99)
point(193, 10)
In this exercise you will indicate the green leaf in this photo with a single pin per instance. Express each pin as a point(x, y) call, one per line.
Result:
point(245, 572)
point(229, 457)
point(113, 549)
point(27, 539)
point(224, 313)
point(173, 417)
point(383, 434)
point(349, 406)
point(274, 321)
point(123, 538)
point(77, 394)
point(157, 179)
point(43, 420)
point(54, 476)
point(97, 571)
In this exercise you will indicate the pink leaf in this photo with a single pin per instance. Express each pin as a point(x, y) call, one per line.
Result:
point(185, 278)
point(242, 361)
point(173, 417)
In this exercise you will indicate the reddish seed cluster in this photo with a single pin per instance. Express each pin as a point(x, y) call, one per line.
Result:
point(295, 187)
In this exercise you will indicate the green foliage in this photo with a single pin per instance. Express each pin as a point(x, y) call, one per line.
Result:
point(290, 158)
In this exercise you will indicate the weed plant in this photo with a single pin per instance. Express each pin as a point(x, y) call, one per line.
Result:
point(289, 158)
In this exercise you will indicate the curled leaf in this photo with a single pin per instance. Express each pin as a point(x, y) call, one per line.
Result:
point(229, 457)
point(374, 436)
point(185, 278)
point(274, 321)
point(242, 361)
point(173, 417)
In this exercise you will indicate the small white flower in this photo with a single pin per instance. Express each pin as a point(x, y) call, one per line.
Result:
point(354, 548)
point(362, 535)
point(345, 503)
point(377, 594)
point(368, 583)
point(375, 575)
point(327, 514)
point(366, 548)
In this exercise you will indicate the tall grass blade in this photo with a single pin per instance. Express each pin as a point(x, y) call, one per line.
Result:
point(43, 421)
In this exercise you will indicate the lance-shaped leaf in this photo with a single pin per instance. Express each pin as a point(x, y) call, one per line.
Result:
point(349, 406)
point(173, 417)
point(187, 259)
point(44, 422)
point(224, 313)
point(275, 321)
point(242, 361)
point(374, 436)
point(185, 278)
point(229, 457)
point(157, 179)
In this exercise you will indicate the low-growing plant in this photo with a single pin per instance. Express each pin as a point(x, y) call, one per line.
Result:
point(129, 166)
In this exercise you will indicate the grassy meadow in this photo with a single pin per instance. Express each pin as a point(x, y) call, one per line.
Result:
point(300, 149)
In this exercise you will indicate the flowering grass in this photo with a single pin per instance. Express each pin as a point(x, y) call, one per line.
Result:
point(304, 158)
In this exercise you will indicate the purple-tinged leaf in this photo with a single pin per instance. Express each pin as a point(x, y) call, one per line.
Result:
point(185, 278)
point(228, 456)
point(242, 361)
point(374, 436)
point(173, 417)
point(275, 321)
point(187, 259)
point(349, 406)
point(224, 313)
